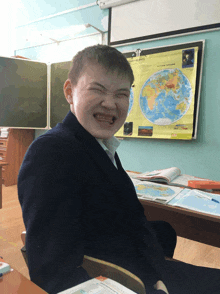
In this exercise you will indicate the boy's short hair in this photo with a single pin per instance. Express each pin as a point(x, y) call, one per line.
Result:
point(110, 58)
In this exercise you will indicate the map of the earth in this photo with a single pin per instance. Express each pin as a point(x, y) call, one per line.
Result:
point(154, 191)
point(131, 101)
point(165, 97)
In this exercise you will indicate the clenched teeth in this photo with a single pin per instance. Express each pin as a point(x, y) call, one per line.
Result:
point(105, 118)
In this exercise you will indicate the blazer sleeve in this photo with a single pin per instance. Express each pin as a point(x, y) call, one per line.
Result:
point(50, 192)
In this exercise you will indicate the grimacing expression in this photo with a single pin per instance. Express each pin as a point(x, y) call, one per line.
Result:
point(99, 100)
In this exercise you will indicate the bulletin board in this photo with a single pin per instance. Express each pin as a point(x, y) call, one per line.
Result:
point(164, 99)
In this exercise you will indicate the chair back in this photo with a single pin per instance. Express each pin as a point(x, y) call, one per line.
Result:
point(96, 267)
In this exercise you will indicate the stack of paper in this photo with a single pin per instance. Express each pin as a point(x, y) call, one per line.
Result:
point(4, 132)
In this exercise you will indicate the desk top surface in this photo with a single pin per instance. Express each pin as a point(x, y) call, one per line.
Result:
point(14, 282)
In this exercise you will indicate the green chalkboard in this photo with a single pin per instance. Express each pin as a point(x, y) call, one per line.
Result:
point(23, 93)
point(58, 104)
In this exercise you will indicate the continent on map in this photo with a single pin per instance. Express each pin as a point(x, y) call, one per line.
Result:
point(141, 187)
point(181, 107)
point(173, 81)
point(151, 95)
point(154, 191)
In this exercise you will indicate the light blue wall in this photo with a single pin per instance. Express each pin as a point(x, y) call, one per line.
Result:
point(32, 19)
point(29, 11)
point(200, 157)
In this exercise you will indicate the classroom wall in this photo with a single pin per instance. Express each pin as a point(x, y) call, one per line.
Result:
point(200, 157)
point(7, 24)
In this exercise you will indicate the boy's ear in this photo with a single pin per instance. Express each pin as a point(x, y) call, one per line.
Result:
point(67, 89)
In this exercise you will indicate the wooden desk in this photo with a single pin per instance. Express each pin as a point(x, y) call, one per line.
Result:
point(188, 224)
point(12, 151)
point(1, 165)
point(14, 282)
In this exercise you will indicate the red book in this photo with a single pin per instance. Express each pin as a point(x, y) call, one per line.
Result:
point(209, 185)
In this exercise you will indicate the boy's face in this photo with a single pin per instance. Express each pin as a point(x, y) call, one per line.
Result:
point(100, 100)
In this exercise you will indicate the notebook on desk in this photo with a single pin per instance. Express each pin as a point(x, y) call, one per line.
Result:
point(99, 285)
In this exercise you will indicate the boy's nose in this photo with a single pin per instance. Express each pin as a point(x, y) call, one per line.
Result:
point(109, 101)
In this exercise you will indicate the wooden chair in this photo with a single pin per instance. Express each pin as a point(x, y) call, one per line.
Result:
point(97, 267)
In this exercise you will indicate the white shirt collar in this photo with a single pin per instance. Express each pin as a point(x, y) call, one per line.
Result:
point(109, 145)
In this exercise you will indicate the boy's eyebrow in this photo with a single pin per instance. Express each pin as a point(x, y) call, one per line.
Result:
point(100, 85)
point(124, 89)
point(97, 84)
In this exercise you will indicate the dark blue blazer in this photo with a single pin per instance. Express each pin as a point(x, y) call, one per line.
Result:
point(75, 202)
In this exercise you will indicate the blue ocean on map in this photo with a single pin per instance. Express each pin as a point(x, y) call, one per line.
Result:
point(131, 100)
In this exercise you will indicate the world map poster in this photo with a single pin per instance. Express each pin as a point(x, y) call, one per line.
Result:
point(163, 95)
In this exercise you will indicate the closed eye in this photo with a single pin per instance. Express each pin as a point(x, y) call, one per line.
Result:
point(122, 95)
point(96, 90)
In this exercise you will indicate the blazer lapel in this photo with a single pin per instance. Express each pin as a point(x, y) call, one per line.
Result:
point(101, 159)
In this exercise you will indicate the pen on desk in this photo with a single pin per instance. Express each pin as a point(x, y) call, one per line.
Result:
point(207, 197)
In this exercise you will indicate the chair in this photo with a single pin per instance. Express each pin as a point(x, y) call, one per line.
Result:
point(23, 249)
point(96, 267)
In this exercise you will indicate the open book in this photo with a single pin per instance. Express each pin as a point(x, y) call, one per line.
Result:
point(155, 192)
point(198, 200)
point(171, 176)
point(99, 285)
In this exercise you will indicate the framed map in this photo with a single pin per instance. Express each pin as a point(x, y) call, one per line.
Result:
point(164, 99)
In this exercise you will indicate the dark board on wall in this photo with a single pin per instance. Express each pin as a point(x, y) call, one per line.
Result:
point(58, 105)
point(23, 93)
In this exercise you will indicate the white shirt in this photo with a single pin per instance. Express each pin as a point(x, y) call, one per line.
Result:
point(110, 146)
